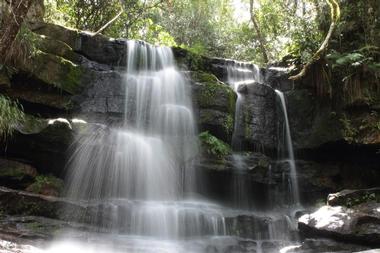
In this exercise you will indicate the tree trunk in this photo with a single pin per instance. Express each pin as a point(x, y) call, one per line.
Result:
point(11, 24)
point(258, 32)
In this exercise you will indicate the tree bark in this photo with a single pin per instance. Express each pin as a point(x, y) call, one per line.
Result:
point(335, 15)
point(261, 39)
point(11, 25)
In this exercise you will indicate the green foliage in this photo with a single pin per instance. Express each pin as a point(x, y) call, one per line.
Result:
point(11, 114)
point(46, 183)
point(213, 146)
point(354, 58)
point(368, 197)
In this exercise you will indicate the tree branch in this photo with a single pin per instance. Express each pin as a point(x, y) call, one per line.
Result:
point(108, 23)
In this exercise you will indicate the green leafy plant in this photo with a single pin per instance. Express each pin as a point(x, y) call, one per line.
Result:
point(11, 114)
point(213, 146)
point(46, 184)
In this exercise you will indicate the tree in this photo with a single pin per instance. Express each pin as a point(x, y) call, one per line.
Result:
point(335, 15)
point(260, 37)
point(14, 13)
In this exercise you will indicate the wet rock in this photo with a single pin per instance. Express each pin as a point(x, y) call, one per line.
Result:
point(358, 224)
point(15, 174)
point(44, 143)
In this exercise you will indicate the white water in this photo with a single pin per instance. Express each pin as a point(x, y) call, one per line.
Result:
point(290, 152)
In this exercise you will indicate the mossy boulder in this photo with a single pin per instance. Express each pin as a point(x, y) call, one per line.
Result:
point(94, 47)
point(215, 105)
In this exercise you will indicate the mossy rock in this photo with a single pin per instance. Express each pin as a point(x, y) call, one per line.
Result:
point(216, 103)
point(15, 174)
point(55, 70)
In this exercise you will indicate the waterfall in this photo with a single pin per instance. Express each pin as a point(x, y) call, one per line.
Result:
point(289, 148)
point(134, 177)
point(135, 180)
point(238, 75)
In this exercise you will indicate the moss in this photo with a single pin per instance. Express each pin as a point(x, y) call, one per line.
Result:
point(57, 71)
point(193, 61)
point(212, 88)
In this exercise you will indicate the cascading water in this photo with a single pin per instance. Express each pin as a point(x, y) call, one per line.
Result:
point(134, 178)
point(289, 149)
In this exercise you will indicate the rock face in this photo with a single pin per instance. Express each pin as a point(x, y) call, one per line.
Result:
point(360, 222)
point(259, 113)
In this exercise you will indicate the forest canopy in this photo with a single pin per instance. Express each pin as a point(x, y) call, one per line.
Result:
point(220, 28)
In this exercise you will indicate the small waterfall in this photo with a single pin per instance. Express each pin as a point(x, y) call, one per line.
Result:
point(289, 148)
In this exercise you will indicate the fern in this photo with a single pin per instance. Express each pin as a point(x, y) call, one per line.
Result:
point(213, 146)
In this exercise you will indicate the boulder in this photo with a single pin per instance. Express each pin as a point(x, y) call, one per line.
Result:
point(15, 174)
point(357, 224)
